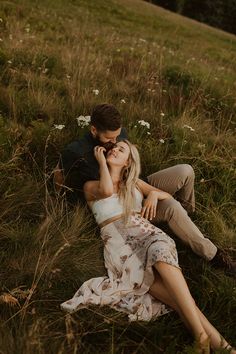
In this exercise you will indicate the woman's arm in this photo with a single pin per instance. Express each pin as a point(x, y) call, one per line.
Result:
point(104, 187)
point(147, 188)
point(152, 195)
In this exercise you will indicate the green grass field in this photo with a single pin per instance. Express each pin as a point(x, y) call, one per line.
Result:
point(176, 74)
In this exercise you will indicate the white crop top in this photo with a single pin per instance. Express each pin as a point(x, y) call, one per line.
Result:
point(106, 208)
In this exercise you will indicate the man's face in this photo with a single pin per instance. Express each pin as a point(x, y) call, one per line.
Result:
point(107, 138)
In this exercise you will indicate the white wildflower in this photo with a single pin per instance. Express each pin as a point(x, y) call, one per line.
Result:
point(123, 100)
point(201, 146)
point(161, 141)
point(1, 20)
point(27, 29)
point(118, 49)
point(162, 114)
point(142, 40)
point(1, 40)
point(68, 76)
point(83, 121)
point(45, 70)
point(59, 126)
point(149, 89)
point(164, 91)
point(21, 40)
point(202, 180)
point(188, 127)
point(143, 123)
point(148, 133)
point(132, 48)
point(10, 37)
point(96, 92)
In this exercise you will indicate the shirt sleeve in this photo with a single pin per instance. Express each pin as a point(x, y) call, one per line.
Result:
point(68, 160)
point(123, 134)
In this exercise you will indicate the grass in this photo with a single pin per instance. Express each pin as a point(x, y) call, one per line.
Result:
point(171, 72)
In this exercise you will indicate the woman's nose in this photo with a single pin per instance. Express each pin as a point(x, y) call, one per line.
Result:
point(115, 147)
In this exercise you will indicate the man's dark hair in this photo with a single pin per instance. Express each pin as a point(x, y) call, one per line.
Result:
point(106, 117)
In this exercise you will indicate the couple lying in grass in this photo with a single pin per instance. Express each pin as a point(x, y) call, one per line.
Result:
point(143, 278)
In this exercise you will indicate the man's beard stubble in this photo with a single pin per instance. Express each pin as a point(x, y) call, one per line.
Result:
point(108, 146)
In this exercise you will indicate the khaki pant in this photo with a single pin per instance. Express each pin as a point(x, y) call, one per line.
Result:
point(179, 182)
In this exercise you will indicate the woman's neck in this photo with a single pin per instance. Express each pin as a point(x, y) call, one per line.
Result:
point(115, 173)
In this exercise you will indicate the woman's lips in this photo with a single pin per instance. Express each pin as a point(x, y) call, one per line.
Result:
point(112, 153)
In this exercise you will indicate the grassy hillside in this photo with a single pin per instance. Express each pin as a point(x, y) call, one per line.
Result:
point(57, 60)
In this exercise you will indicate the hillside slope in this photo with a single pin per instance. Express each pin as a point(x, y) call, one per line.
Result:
point(57, 60)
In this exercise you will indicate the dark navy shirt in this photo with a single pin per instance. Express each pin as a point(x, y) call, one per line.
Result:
point(80, 165)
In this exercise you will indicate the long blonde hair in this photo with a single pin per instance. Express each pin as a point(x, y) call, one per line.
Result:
point(128, 181)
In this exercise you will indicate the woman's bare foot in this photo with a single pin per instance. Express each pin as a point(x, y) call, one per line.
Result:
point(203, 344)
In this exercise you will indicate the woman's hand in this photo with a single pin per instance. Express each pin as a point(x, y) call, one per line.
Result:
point(99, 154)
point(150, 203)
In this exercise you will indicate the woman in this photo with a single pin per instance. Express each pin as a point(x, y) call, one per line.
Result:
point(141, 260)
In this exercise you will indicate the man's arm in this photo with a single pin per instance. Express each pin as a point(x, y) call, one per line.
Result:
point(58, 177)
point(68, 158)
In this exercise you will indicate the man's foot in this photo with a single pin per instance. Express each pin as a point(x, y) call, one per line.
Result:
point(223, 260)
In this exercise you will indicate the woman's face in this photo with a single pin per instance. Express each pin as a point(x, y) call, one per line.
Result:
point(119, 155)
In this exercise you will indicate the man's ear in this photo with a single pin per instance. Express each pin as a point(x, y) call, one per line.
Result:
point(93, 131)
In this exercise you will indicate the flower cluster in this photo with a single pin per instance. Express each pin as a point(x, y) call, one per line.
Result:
point(143, 123)
point(83, 121)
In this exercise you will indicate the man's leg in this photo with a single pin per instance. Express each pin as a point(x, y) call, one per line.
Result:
point(171, 211)
point(178, 181)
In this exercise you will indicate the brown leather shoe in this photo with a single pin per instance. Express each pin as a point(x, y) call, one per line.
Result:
point(223, 260)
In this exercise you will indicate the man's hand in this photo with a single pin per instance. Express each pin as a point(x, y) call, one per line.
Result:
point(58, 178)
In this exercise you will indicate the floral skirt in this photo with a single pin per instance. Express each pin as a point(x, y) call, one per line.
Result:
point(130, 251)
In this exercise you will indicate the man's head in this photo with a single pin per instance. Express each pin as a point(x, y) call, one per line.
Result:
point(105, 124)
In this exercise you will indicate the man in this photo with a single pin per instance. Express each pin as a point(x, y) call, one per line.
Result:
point(78, 165)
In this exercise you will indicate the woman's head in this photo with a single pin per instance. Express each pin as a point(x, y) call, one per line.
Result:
point(125, 155)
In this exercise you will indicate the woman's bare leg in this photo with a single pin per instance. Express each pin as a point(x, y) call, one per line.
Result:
point(217, 341)
point(159, 291)
point(176, 285)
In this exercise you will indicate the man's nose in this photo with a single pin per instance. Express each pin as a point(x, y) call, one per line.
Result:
point(113, 140)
